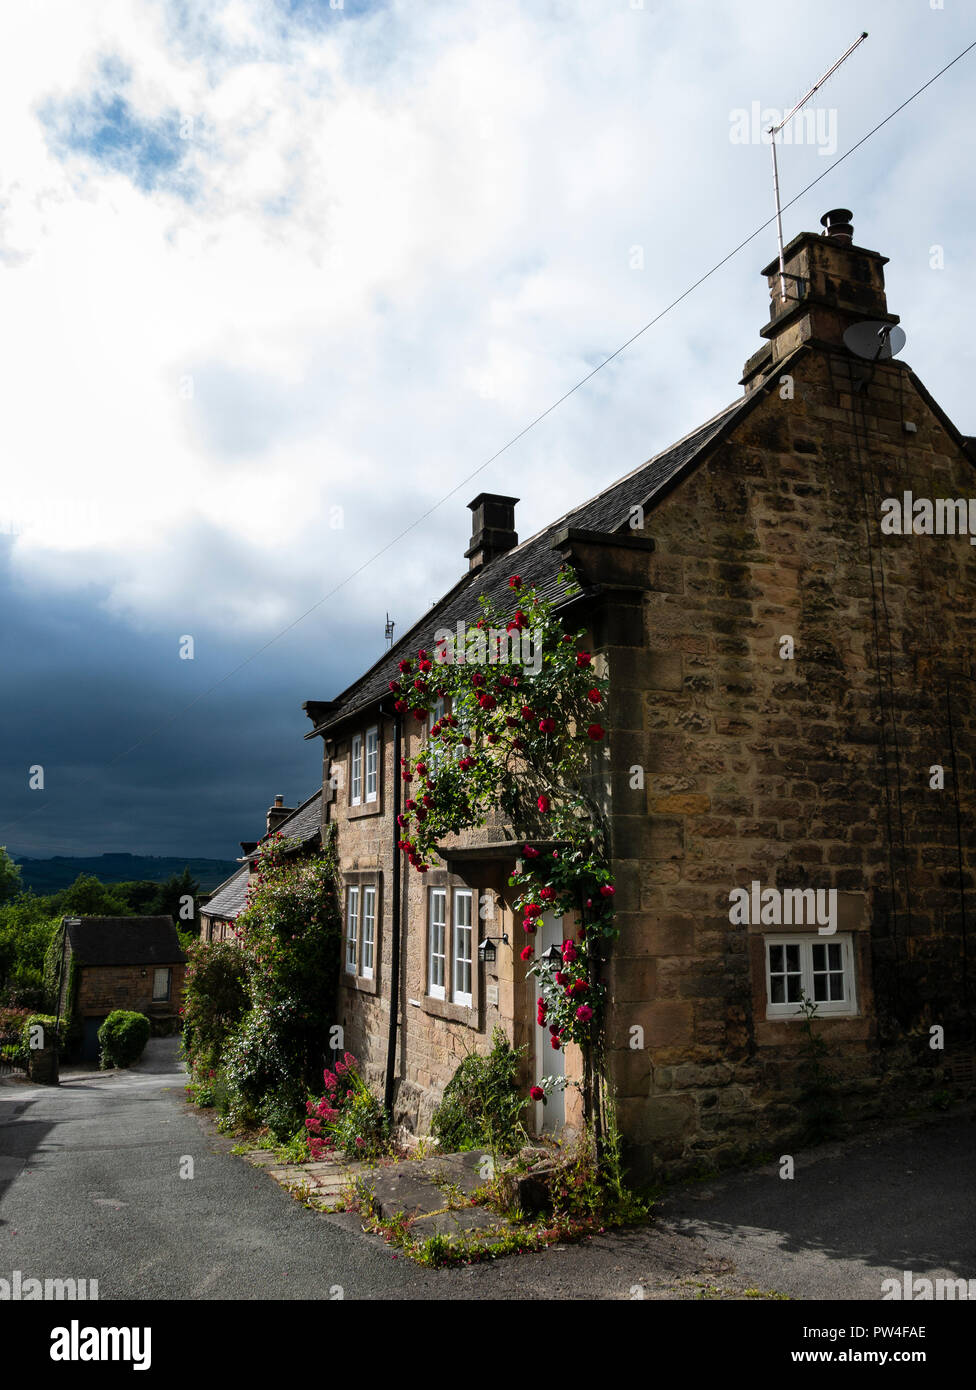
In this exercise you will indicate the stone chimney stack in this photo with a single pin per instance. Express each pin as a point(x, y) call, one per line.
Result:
point(492, 528)
point(830, 284)
point(277, 813)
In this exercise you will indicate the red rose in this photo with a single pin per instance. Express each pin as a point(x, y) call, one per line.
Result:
point(555, 1042)
point(530, 926)
point(607, 890)
point(584, 1013)
point(594, 696)
point(526, 952)
point(420, 715)
point(410, 805)
point(543, 804)
point(583, 658)
point(399, 705)
point(547, 726)
point(477, 678)
point(547, 892)
point(530, 853)
point(527, 712)
point(595, 732)
point(537, 1093)
point(395, 685)
point(421, 768)
point(405, 666)
point(515, 582)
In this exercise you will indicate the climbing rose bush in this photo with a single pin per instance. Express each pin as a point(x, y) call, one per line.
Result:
point(520, 736)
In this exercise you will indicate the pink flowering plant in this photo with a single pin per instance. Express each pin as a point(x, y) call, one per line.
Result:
point(523, 737)
point(347, 1119)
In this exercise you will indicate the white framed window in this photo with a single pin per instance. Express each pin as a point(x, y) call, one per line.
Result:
point(161, 983)
point(352, 930)
point(369, 930)
point(356, 770)
point(437, 942)
point(821, 968)
point(461, 938)
point(372, 763)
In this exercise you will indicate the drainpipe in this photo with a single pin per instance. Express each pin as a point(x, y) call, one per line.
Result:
point(395, 924)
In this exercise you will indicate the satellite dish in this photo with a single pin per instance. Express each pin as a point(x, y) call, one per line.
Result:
point(875, 340)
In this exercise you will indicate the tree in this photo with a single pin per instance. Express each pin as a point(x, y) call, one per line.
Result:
point(139, 895)
point(10, 881)
point(174, 897)
point(89, 897)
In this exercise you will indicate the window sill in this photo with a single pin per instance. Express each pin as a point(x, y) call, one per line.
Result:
point(362, 984)
point(454, 1013)
point(365, 808)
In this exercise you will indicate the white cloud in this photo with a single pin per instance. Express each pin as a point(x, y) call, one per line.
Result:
point(408, 233)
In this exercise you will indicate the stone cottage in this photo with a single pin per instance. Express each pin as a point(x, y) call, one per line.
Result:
point(785, 601)
point(110, 963)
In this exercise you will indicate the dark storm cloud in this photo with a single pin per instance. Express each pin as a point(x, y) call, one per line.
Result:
point(80, 687)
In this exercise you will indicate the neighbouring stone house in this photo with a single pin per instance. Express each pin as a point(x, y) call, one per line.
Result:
point(303, 824)
point(110, 963)
point(791, 713)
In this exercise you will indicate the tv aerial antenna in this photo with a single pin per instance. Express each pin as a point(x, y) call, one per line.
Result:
point(774, 130)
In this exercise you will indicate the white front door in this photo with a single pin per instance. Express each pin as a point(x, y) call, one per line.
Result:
point(549, 1060)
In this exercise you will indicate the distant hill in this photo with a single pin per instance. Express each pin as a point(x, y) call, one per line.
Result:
point(51, 875)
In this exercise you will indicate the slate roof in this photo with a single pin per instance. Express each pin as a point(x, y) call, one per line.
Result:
point(125, 941)
point(534, 559)
point(304, 823)
point(228, 900)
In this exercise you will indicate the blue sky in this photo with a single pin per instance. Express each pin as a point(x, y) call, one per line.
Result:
point(278, 276)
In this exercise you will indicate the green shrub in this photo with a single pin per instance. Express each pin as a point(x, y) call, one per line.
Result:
point(482, 1104)
point(214, 1003)
point(122, 1037)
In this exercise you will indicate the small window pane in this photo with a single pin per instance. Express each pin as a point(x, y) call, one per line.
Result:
point(372, 763)
point(369, 930)
point(438, 929)
point(462, 948)
point(161, 978)
point(356, 775)
point(352, 932)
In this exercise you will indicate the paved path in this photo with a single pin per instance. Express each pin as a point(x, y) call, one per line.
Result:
point(90, 1187)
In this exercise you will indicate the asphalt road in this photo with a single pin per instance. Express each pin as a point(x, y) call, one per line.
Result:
point(90, 1187)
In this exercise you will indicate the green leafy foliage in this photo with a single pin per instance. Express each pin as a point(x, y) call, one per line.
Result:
point(258, 1013)
point(10, 881)
point(26, 931)
point(215, 1001)
point(482, 1105)
point(123, 1037)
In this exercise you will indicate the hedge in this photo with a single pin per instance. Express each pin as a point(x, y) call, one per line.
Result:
point(122, 1037)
